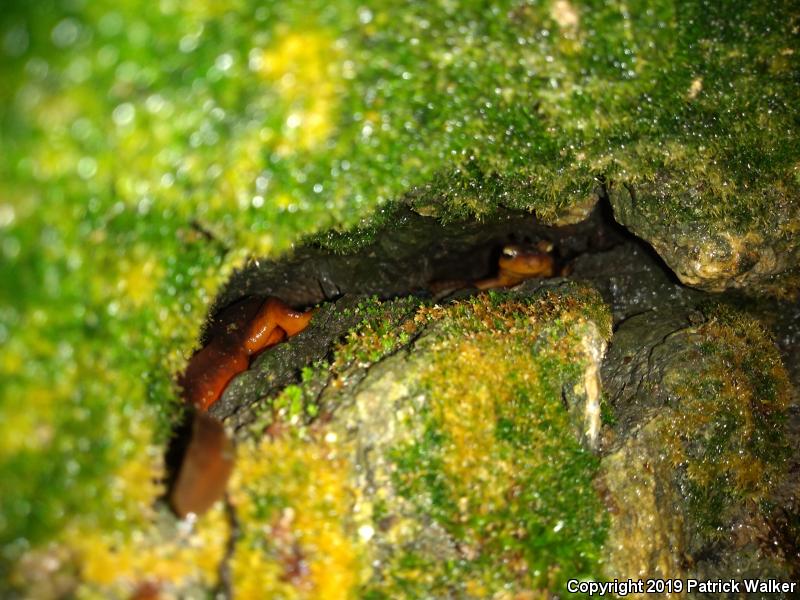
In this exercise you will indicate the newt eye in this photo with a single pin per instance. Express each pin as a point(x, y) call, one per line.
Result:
point(509, 252)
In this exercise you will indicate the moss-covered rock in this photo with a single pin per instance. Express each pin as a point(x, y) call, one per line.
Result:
point(461, 462)
point(757, 253)
point(439, 456)
point(698, 447)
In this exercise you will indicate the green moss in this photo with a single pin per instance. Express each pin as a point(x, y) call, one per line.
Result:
point(385, 328)
point(607, 413)
point(347, 240)
point(498, 465)
point(297, 403)
point(731, 88)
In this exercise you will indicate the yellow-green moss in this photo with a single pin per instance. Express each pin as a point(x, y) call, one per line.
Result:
point(499, 466)
point(293, 501)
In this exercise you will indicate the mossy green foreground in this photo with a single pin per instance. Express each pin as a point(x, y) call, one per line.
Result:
point(149, 150)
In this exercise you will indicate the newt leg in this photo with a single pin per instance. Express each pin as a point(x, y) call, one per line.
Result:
point(276, 337)
point(274, 314)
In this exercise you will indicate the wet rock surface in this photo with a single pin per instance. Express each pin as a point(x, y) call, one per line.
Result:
point(696, 460)
point(711, 254)
point(633, 280)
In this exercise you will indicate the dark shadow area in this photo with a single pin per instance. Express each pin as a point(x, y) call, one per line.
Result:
point(176, 450)
point(415, 250)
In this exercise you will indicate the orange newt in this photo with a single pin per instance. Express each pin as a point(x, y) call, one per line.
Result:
point(240, 333)
point(237, 334)
point(516, 264)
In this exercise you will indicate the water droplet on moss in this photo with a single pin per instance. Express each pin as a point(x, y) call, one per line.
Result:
point(65, 33)
point(123, 114)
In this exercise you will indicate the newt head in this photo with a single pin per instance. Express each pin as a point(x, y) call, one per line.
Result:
point(524, 261)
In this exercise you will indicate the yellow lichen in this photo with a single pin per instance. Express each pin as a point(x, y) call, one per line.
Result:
point(565, 14)
point(136, 482)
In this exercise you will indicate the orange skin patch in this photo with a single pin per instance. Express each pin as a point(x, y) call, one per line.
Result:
point(238, 334)
point(518, 263)
point(205, 469)
point(146, 591)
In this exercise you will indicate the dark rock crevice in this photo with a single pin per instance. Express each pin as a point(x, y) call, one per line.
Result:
point(406, 255)
point(412, 250)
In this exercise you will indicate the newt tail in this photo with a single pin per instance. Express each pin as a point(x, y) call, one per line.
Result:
point(205, 469)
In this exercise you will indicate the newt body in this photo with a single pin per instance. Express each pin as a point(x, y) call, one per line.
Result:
point(239, 333)
point(516, 264)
